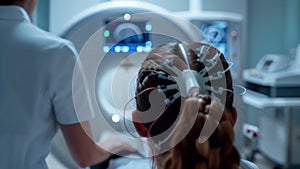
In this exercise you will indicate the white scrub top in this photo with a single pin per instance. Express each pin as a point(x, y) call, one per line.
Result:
point(36, 70)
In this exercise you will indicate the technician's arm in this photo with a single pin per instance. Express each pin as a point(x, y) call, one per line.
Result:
point(84, 150)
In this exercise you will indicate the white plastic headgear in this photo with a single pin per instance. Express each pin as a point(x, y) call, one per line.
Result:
point(187, 79)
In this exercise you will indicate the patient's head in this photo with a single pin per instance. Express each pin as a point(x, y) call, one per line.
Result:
point(159, 74)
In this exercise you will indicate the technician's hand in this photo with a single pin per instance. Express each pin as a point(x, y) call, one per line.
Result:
point(117, 146)
point(86, 151)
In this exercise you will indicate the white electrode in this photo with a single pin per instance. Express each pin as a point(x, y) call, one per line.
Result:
point(188, 82)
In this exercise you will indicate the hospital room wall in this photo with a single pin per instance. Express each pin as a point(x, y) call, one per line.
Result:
point(41, 15)
point(273, 27)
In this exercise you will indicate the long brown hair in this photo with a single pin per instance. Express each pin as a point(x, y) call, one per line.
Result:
point(217, 151)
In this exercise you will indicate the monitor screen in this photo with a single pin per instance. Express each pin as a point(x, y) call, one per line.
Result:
point(127, 36)
point(216, 33)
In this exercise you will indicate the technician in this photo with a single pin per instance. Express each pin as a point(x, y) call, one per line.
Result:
point(36, 70)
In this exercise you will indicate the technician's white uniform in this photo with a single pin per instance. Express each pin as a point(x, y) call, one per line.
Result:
point(35, 90)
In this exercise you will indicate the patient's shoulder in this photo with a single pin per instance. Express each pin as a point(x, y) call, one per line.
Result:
point(247, 165)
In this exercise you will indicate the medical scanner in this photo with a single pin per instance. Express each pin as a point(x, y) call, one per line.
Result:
point(273, 88)
point(113, 38)
point(275, 76)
